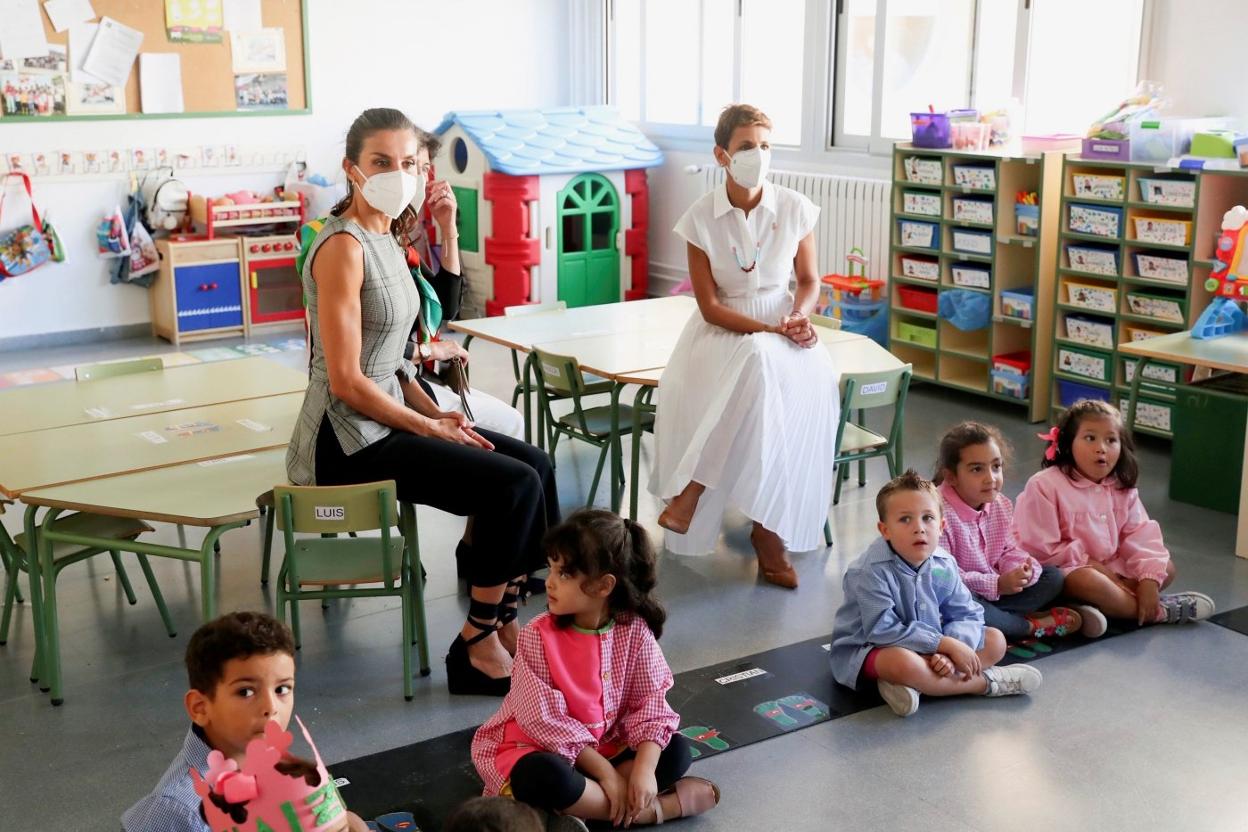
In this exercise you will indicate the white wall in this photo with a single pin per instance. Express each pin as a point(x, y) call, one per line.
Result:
point(423, 57)
point(1198, 50)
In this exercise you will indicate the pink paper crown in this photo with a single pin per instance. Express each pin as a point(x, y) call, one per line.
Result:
point(268, 800)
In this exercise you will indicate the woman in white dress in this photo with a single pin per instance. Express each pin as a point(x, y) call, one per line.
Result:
point(748, 409)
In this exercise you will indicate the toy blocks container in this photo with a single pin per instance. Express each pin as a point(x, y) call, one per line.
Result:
point(1018, 303)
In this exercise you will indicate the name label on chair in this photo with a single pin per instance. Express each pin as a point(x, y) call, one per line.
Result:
point(872, 389)
point(331, 512)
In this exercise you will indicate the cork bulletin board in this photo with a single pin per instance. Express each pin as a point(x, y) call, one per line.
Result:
point(207, 68)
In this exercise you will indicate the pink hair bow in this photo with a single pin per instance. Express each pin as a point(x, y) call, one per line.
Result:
point(1050, 453)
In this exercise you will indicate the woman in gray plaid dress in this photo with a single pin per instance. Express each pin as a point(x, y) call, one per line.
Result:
point(366, 417)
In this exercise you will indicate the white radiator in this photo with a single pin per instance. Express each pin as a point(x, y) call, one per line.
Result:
point(855, 214)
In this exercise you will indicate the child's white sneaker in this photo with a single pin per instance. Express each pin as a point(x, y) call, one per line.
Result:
point(1182, 607)
point(1094, 621)
point(903, 699)
point(1012, 680)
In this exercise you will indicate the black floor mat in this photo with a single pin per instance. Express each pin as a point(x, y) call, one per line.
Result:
point(1236, 619)
point(724, 706)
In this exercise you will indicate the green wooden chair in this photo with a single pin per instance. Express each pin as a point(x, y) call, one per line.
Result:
point(111, 369)
point(562, 375)
point(854, 442)
point(14, 552)
point(363, 567)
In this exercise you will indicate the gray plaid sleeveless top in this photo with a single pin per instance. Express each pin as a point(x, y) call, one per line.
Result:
point(389, 302)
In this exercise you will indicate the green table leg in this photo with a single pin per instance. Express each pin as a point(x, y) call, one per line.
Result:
point(208, 569)
point(51, 670)
point(1134, 396)
point(527, 384)
point(617, 493)
point(37, 674)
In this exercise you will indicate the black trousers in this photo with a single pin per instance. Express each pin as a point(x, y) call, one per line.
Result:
point(510, 490)
point(550, 782)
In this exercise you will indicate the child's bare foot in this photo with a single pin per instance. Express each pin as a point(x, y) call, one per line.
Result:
point(690, 796)
point(773, 561)
point(1059, 621)
point(678, 514)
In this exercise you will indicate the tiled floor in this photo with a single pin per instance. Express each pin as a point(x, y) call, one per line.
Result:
point(1144, 731)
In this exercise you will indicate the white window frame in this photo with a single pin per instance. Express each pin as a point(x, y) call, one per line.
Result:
point(822, 141)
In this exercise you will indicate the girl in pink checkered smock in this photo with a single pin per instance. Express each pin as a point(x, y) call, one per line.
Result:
point(586, 729)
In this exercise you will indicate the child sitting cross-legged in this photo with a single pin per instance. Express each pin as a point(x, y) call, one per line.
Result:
point(908, 624)
point(586, 729)
point(1012, 587)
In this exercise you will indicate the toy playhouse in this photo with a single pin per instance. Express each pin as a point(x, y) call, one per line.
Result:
point(553, 205)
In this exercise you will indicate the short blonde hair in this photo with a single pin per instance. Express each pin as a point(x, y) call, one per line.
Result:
point(909, 481)
point(738, 115)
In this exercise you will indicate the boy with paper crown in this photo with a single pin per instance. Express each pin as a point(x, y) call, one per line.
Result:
point(241, 669)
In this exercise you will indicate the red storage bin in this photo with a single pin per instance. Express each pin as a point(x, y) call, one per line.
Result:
point(1019, 362)
point(920, 300)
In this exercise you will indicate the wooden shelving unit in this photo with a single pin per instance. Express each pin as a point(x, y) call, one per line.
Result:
point(1181, 292)
point(950, 356)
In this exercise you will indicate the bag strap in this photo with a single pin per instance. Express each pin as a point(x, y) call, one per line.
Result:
point(34, 213)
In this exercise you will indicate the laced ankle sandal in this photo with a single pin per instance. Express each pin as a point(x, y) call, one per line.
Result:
point(464, 679)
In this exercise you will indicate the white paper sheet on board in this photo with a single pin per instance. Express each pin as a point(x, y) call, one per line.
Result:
point(241, 15)
point(21, 29)
point(160, 82)
point(65, 13)
point(113, 52)
point(80, 37)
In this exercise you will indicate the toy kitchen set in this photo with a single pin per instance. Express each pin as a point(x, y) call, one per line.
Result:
point(235, 274)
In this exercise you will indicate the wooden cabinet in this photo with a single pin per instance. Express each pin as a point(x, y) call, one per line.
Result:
point(198, 292)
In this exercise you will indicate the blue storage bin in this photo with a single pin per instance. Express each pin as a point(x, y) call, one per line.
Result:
point(1012, 384)
point(1069, 392)
point(1019, 303)
point(862, 317)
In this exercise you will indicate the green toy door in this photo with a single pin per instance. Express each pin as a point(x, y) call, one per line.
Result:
point(589, 261)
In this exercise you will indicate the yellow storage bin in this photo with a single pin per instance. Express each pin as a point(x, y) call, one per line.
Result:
point(1166, 230)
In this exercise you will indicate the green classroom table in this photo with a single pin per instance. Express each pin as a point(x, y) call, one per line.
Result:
point(45, 458)
point(40, 407)
point(1229, 353)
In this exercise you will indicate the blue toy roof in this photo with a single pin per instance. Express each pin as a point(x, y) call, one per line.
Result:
point(556, 140)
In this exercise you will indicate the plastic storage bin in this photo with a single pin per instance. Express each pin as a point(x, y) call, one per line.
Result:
point(1177, 192)
point(1165, 230)
point(929, 130)
point(1013, 362)
point(1010, 384)
point(1018, 303)
point(966, 209)
point(1090, 296)
point(1093, 259)
point(1027, 219)
point(975, 177)
point(1098, 332)
point(921, 202)
point(1156, 140)
point(924, 171)
point(920, 268)
point(1116, 150)
point(1098, 220)
point(971, 275)
point(1069, 392)
point(918, 300)
point(1161, 267)
point(1161, 307)
point(916, 333)
point(918, 234)
point(1081, 362)
point(1164, 373)
point(1098, 185)
point(1150, 414)
point(967, 241)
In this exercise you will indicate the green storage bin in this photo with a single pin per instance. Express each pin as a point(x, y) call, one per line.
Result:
point(1150, 413)
point(914, 333)
point(1157, 376)
point(1208, 438)
point(1084, 363)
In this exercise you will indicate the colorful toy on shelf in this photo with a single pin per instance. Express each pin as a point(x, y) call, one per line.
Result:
point(1228, 280)
point(242, 212)
point(842, 292)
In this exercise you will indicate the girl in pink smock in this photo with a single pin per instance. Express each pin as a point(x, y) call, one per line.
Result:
point(586, 729)
point(1082, 513)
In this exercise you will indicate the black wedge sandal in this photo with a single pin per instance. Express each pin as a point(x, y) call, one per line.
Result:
point(462, 678)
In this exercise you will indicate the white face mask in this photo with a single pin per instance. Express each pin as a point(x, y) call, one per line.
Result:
point(748, 168)
point(418, 198)
point(392, 191)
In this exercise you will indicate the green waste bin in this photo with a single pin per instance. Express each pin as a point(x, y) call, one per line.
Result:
point(1208, 450)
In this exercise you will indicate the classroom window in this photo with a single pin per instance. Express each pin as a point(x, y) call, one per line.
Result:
point(675, 65)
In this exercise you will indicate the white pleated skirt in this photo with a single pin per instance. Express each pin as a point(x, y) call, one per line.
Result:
point(753, 418)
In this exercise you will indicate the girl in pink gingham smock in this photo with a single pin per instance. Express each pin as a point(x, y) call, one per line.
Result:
point(1082, 513)
point(586, 729)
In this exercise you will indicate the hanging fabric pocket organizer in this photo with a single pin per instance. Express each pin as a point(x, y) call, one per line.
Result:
point(27, 247)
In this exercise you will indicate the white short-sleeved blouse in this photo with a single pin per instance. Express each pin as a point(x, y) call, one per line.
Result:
point(732, 241)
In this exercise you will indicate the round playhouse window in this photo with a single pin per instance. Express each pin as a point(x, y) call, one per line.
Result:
point(459, 155)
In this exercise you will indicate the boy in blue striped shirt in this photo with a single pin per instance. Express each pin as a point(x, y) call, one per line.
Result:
point(908, 624)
